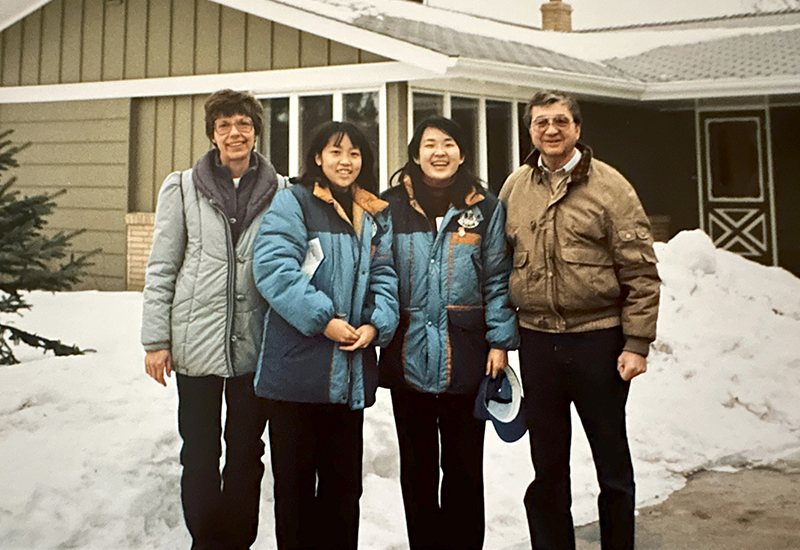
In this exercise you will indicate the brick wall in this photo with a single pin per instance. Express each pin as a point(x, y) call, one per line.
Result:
point(140, 241)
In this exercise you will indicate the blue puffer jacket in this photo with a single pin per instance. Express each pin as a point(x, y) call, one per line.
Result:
point(453, 294)
point(355, 281)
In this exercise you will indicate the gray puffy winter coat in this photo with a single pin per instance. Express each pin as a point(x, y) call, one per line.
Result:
point(200, 300)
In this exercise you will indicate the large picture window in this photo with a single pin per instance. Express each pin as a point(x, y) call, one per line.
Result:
point(494, 132)
point(290, 122)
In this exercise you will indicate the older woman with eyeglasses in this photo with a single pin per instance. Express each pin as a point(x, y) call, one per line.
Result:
point(203, 318)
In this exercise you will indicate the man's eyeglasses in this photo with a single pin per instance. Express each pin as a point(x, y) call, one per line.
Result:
point(561, 122)
point(245, 126)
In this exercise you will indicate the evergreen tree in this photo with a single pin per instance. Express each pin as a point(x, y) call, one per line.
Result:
point(30, 259)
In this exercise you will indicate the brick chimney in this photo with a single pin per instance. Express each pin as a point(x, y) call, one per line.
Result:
point(556, 16)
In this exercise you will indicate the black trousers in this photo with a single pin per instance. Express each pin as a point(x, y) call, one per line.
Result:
point(579, 368)
point(457, 520)
point(221, 511)
point(316, 454)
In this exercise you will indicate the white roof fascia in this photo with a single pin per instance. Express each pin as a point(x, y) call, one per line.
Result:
point(14, 10)
point(733, 87)
point(539, 77)
point(288, 81)
point(343, 32)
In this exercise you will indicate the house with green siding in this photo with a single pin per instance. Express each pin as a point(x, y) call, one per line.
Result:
point(701, 116)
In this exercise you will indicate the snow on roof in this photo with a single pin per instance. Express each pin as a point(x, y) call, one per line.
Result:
point(642, 53)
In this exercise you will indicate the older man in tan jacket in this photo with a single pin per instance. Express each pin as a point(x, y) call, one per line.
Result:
point(586, 288)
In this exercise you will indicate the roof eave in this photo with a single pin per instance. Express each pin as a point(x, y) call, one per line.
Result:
point(334, 29)
point(544, 77)
point(733, 87)
point(19, 11)
point(263, 83)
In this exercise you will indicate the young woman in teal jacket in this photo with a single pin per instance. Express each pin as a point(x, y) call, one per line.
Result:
point(323, 261)
point(456, 326)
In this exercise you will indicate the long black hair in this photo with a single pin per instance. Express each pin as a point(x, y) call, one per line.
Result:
point(464, 180)
point(336, 129)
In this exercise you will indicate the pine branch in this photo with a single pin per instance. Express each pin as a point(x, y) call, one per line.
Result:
point(34, 340)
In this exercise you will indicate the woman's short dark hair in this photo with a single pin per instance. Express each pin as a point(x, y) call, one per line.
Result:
point(230, 102)
point(465, 180)
point(337, 130)
point(548, 97)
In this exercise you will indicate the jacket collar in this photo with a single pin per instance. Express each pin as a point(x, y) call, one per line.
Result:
point(580, 174)
point(363, 201)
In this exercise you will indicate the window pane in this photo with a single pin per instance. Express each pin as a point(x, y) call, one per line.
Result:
point(362, 110)
point(314, 111)
point(464, 110)
point(735, 167)
point(274, 140)
point(426, 105)
point(525, 143)
point(498, 140)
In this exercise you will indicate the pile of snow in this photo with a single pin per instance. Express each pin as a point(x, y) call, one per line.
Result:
point(89, 445)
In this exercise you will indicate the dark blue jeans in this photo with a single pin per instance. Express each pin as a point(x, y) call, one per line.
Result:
point(579, 368)
point(221, 511)
point(456, 520)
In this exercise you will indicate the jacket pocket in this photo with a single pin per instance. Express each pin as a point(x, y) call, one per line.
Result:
point(467, 347)
point(526, 283)
point(294, 367)
point(587, 278)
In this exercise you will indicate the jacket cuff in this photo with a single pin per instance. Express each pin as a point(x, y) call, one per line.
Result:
point(156, 346)
point(637, 345)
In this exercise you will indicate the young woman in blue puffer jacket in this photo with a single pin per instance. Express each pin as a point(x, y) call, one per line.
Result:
point(456, 325)
point(323, 261)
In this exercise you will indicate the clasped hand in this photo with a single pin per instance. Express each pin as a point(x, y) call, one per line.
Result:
point(343, 332)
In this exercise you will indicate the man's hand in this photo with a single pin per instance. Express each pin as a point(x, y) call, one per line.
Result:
point(340, 331)
point(496, 361)
point(158, 362)
point(366, 334)
point(630, 365)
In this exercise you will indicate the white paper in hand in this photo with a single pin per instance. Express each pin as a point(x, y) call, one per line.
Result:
point(314, 257)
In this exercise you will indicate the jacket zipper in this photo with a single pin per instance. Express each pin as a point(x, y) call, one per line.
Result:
point(231, 256)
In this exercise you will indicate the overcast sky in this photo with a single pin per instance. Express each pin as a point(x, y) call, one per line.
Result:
point(606, 13)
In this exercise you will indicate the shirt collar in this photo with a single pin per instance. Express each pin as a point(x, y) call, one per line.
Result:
point(567, 168)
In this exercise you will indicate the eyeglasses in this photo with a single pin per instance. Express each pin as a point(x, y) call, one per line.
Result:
point(244, 125)
point(561, 122)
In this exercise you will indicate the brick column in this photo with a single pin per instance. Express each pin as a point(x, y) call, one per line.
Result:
point(140, 241)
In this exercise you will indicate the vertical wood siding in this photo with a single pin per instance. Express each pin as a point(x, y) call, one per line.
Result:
point(92, 40)
point(169, 135)
point(80, 146)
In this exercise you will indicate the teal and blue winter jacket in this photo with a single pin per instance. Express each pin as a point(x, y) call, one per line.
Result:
point(454, 302)
point(355, 281)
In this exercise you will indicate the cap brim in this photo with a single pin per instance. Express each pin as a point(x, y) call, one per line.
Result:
point(508, 419)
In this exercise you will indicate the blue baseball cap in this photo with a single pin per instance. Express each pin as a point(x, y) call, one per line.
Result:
point(500, 400)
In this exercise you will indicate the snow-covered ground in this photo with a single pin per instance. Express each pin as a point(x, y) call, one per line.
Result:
point(89, 445)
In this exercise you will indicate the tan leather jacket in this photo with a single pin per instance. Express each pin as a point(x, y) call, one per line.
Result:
point(583, 259)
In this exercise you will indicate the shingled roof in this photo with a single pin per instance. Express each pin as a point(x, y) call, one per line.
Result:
point(462, 44)
point(747, 56)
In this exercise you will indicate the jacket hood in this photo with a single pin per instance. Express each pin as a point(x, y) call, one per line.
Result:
point(210, 176)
